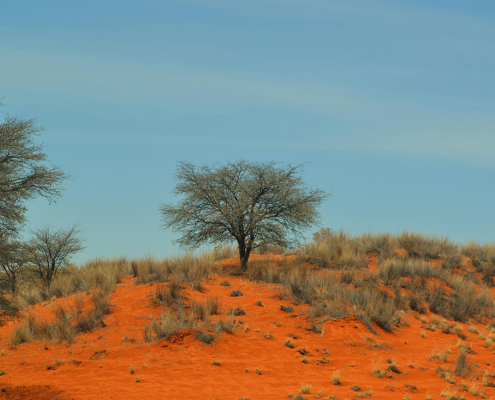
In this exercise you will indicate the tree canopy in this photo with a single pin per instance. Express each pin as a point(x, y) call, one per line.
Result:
point(25, 172)
point(251, 203)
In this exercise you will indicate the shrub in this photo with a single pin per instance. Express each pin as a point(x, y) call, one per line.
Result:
point(336, 378)
point(263, 271)
point(227, 326)
point(149, 270)
point(425, 246)
point(204, 337)
point(305, 388)
point(461, 367)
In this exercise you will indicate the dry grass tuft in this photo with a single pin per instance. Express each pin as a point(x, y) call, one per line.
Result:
point(336, 378)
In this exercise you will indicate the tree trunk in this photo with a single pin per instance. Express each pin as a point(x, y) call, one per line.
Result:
point(244, 253)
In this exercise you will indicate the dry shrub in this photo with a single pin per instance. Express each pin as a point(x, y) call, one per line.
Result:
point(149, 270)
point(398, 267)
point(192, 270)
point(336, 378)
point(170, 295)
point(383, 244)
point(204, 337)
point(461, 365)
point(227, 325)
point(426, 247)
point(168, 325)
point(94, 317)
point(378, 307)
point(23, 333)
point(295, 276)
point(478, 253)
point(203, 309)
point(337, 249)
point(263, 271)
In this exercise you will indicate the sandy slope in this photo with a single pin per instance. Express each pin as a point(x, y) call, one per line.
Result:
point(97, 365)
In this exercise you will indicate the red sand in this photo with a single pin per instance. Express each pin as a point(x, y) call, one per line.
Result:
point(97, 365)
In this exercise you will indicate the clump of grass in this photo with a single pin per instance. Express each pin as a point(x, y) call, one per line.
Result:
point(439, 355)
point(461, 365)
point(473, 329)
point(216, 363)
point(305, 360)
point(305, 388)
point(377, 371)
point(393, 368)
point(204, 337)
point(289, 344)
point(227, 325)
point(203, 309)
point(336, 378)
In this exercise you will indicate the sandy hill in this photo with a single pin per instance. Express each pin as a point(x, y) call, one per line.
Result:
point(245, 339)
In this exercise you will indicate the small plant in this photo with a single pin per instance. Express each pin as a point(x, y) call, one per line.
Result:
point(287, 309)
point(137, 380)
point(306, 389)
point(377, 371)
point(461, 367)
point(257, 371)
point(356, 388)
point(259, 303)
point(473, 329)
point(393, 368)
point(54, 364)
point(216, 362)
point(235, 293)
point(305, 360)
point(131, 369)
point(289, 344)
point(485, 382)
point(225, 283)
point(336, 378)
point(423, 334)
point(449, 378)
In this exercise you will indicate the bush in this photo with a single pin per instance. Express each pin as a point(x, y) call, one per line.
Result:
point(425, 246)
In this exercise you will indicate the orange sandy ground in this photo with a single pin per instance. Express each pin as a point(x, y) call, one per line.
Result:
point(184, 368)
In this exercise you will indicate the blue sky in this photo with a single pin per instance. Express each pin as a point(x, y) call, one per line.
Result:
point(391, 102)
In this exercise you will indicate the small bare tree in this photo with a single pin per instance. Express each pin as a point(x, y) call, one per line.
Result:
point(51, 251)
point(253, 203)
point(13, 259)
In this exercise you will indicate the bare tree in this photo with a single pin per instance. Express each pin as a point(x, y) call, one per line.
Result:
point(24, 172)
point(13, 259)
point(51, 251)
point(252, 203)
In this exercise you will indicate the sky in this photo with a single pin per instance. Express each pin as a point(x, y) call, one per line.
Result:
point(390, 103)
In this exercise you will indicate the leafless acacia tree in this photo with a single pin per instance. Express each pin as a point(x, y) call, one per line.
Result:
point(252, 203)
point(13, 259)
point(51, 251)
point(24, 172)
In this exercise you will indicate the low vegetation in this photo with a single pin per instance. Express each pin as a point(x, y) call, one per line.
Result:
point(412, 272)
